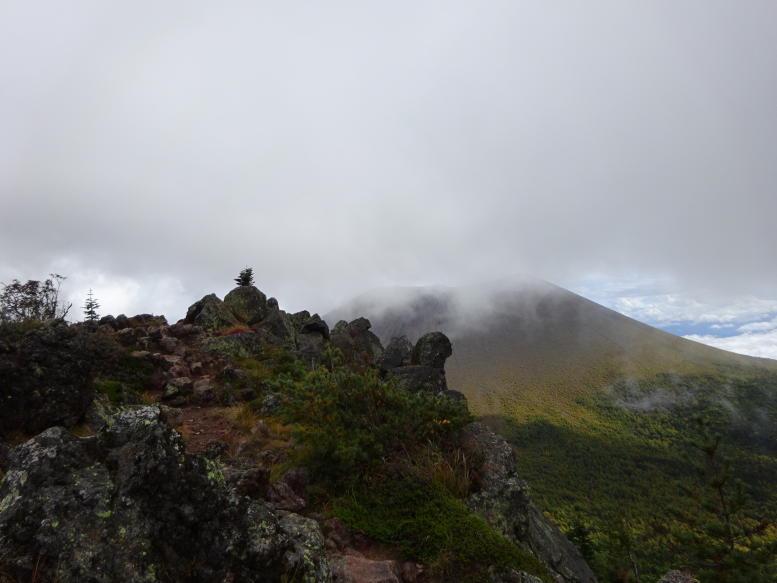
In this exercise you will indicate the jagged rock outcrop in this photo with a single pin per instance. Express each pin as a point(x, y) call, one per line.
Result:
point(359, 345)
point(46, 374)
point(210, 313)
point(129, 505)
point(247, 304)
point(234, 346)
point(398, 352)
point(420, 378)
point(432, 350)
point(503, 499)
point(420, 367)
point(278, 323)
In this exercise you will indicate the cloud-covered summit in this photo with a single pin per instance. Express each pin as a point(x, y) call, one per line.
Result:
point(342, 146)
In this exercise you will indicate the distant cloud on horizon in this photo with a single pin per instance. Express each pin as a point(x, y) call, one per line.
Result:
point(151, 150)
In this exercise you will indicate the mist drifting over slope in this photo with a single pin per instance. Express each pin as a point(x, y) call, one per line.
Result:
point(524, 340)
point(150, 151)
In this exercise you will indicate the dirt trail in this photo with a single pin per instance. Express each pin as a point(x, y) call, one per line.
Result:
point(201, 425)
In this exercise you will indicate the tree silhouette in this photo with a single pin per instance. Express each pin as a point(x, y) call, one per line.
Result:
point(246, 277)
point(33, 300)
point(90, 309)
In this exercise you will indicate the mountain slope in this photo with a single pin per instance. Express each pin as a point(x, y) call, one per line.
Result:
point(532, 348)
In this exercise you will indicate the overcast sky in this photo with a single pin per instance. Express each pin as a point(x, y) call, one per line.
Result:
point(150, 150)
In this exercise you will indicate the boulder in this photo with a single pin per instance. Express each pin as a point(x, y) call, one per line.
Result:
point(183, 330)
point(128, 505)
point(109, 321)
point(47, 374)
point(503, 500)
point(203, 390)
point(129, 336)
point(245, 344)
point(177, 389)
point(122, 322)
point(432, 349)
point(416, 378)
point(145, 320)
point(168, 344)
point(299, 318)
point(247, 304)
point(314, 324)
point(398, 353)
point(455, 395)
point(210, 313)
point(359, 345)
point(310, 346)
point(279, 324)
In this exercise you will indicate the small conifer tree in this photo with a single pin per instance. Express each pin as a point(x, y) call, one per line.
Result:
point(90, 309)
point(246, 277)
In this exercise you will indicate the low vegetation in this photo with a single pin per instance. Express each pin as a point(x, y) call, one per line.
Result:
point(618, 484)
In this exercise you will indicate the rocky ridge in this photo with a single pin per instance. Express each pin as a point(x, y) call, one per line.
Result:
point(133, 501)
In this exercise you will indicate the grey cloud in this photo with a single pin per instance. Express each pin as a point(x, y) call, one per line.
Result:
point(342, 146)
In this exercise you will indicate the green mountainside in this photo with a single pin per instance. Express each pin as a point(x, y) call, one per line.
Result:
point(602, 410)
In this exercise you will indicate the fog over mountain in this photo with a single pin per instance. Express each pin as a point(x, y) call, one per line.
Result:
point(149, 151)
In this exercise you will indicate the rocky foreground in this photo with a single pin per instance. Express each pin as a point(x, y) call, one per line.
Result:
point(141, 451)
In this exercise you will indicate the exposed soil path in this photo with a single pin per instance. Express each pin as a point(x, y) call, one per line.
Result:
point(201, 425)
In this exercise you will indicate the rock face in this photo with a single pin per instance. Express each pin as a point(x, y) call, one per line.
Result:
point(359, 345)
point(420, 378)
point(247, 304)
point(503, 500)
point(210, 313)
point(419, 368)
point(432, 349)
point(398, 353)
point(46, 377)
point(129, 505)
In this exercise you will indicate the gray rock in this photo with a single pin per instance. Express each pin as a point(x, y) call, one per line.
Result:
point(128, 505)
point(416, 378)
point(203, 390)
point(503, 500)
point(270, 403)
point(432, 349)
point(314, 324)
point(247, 304)
point(455, 395)
point(279, 324)
point(46, 377)
point(310, 346)
point(108, 321)
point(178, 387)
point(183, 330)
point(168, 344)
point(122, 322)
point(398, 353)
point(234, 346)
point(129, 336)
point(358, 344)
point(210, 313)
point(145, 320)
